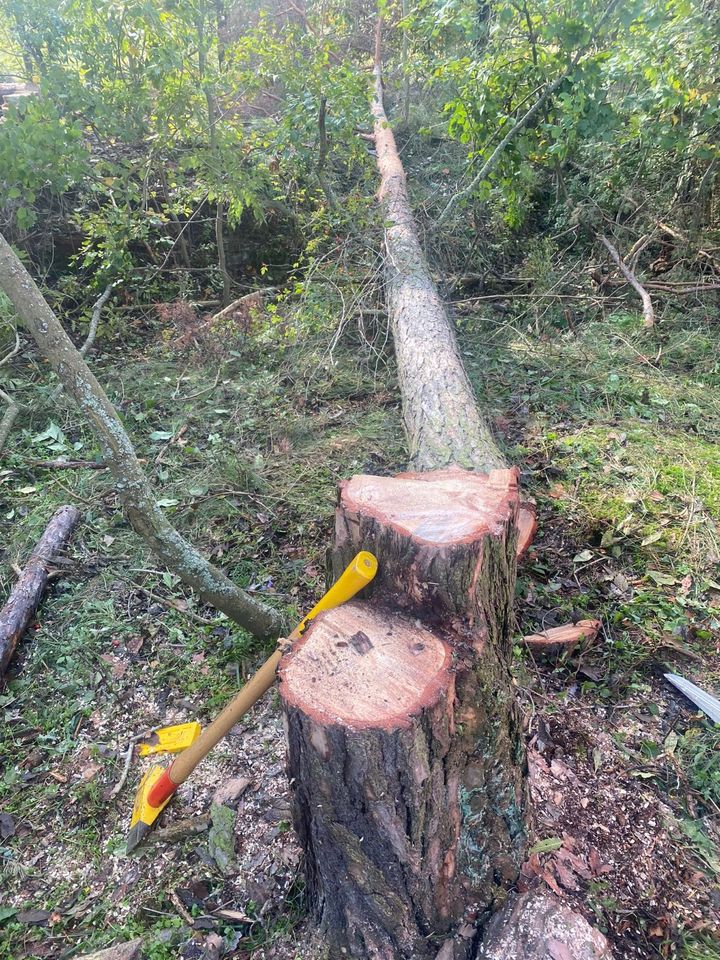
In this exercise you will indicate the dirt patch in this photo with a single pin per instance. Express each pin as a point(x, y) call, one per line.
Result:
point(605, 840)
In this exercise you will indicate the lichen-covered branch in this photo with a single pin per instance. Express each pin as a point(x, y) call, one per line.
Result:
point(8, 420)
point(132, 486)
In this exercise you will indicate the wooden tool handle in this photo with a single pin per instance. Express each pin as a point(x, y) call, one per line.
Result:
point(258, 684)
point(357, 575)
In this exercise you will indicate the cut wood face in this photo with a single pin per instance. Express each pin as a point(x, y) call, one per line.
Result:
point(363, 666)
point(439, 508)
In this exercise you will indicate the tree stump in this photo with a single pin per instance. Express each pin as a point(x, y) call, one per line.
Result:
point(403, 738)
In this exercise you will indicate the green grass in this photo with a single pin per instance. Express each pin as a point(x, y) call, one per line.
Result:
point(619, 452)
point(619, 447)
point(253, 484)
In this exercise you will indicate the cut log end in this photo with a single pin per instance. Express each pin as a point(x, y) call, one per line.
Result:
point(364, 666)
point(441, 508)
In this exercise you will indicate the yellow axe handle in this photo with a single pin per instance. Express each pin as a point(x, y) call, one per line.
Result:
point(357, 575)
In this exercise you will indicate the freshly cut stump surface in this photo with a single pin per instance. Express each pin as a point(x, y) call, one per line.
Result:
point(404, 742)
point(439, 508)
point(443, 540)
point(362, 667)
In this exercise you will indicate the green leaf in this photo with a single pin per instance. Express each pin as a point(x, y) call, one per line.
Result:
point(547, 845)
point(662, 579)
point(653, 538)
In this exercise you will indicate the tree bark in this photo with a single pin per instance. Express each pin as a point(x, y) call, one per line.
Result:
point(404, 740)
point(132, 486)
point(27, 593)
point(442, 420)
point(11, 414)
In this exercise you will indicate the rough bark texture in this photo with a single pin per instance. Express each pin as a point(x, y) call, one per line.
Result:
point(132, 486)
point(404, 741)
point(538, 926)
point(27, 593)
point(443, 422)
point(11, 414)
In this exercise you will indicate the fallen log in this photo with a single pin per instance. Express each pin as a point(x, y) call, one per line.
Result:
point(27, 593)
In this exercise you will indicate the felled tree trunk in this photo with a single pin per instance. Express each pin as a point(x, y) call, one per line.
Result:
point(27, 593)
point(441, 416)
point(404, 742)
point(133, 488)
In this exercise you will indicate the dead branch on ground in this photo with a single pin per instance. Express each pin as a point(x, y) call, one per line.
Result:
point(27, 593)
point(648, 312)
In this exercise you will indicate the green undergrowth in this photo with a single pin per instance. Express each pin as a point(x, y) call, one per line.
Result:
point(615, 429)
point(246, 452)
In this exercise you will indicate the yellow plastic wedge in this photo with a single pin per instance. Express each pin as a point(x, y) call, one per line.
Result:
point(173, 739)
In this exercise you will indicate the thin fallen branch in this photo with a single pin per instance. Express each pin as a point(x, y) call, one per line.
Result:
point(68, 464)
point(13, 407)
point(132, 486)
point(92, 332)
point(128, 761)
point(27, 593)
point(95, 320)
point(8, 420)
point(683, 237)
point(648, 312)
point(248, 301)
point(170, 604)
